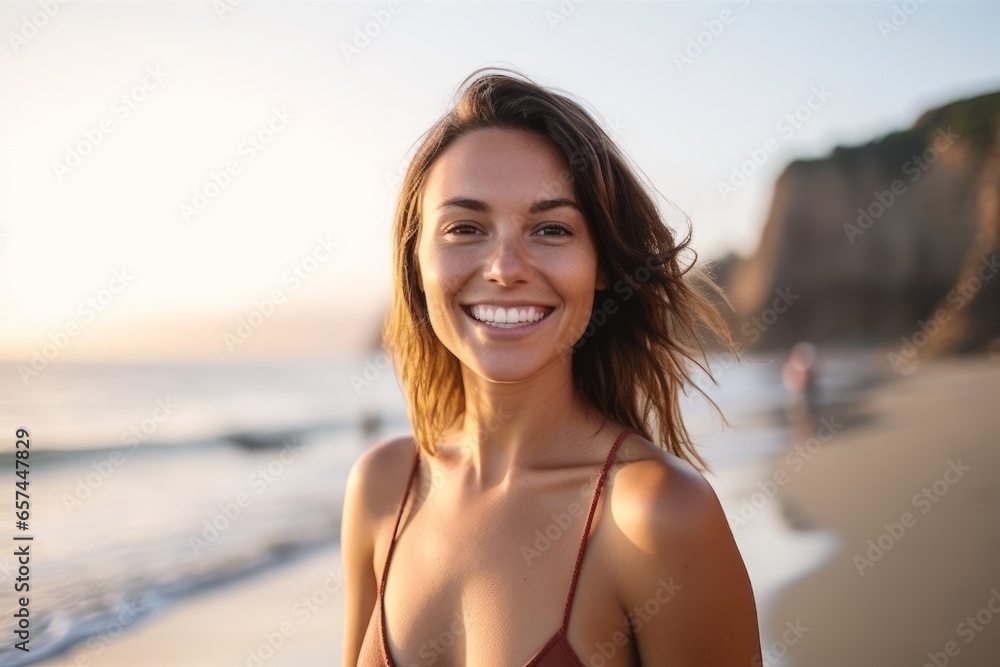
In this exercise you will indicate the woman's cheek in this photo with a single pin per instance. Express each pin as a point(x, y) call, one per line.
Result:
point(441, 317)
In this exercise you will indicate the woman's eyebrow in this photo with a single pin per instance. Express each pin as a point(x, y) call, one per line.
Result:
point(482, 207)
point(549, 204)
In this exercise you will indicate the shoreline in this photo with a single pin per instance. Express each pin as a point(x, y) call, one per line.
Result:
point(290, 615)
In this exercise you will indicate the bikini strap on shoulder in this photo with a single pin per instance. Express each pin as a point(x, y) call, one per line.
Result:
point(586, 529)
point(399, 515)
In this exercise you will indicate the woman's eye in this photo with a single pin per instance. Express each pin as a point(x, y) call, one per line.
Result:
point(558, 230)
point(457, 229)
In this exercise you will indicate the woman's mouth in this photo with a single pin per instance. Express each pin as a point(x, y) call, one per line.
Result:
point(507, 317)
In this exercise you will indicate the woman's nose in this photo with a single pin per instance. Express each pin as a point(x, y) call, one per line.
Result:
point(508, 261)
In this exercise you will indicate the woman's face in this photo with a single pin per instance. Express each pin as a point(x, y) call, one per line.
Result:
point(505, 258)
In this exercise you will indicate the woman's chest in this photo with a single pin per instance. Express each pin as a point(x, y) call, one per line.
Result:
point(488, 586)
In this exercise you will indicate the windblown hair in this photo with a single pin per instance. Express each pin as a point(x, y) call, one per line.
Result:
point(631, 362)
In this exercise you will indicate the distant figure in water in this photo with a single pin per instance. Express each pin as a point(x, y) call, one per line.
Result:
point(799, 375)
point(371, 425)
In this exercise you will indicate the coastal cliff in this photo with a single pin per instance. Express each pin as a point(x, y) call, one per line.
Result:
point(893, 241)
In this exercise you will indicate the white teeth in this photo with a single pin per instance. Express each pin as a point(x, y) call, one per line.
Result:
point(509, 317)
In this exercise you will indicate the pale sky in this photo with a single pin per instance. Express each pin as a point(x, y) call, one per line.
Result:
point(112, 115)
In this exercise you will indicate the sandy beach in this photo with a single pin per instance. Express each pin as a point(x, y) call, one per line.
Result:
point(912, 489)
point(907, 485)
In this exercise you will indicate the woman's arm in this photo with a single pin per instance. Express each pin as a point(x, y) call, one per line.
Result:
point(682, 580)
point(357, 554)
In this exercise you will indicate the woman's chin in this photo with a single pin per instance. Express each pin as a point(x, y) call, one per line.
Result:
point(505, 367)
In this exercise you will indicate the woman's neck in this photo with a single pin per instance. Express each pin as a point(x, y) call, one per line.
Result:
point(517, 426)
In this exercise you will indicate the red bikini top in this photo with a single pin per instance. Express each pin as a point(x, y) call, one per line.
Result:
point(557, 652)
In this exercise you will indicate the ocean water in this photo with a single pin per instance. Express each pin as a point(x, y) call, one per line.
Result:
point(149, 483)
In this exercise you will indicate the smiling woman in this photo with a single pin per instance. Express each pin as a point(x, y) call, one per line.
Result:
point(520, 222)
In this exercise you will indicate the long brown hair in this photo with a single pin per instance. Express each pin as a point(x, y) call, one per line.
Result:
point(630, 362)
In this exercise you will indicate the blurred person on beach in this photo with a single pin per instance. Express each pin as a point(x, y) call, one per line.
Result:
point(541, 324)
point(799, 375)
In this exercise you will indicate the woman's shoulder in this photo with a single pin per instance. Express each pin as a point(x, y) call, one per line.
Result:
point(673, 551)
point(658, 496)
point(378, 476)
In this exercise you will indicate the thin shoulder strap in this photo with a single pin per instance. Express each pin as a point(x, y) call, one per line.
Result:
point(399, 514)
point(586, 529)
